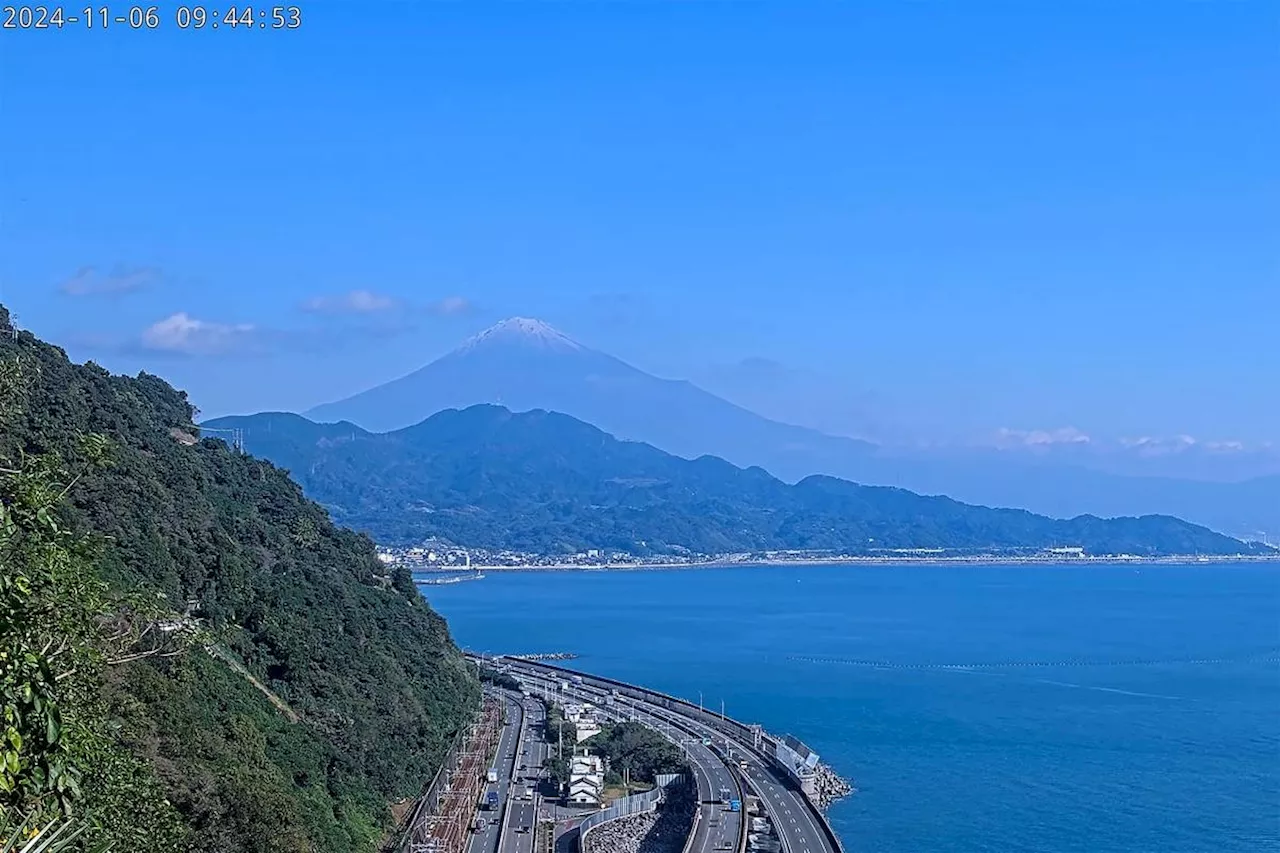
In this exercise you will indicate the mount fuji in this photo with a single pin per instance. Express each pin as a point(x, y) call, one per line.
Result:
point(525, 364)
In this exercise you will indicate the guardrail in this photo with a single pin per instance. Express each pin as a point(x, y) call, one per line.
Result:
point(741, 779)
point(693, 830)
point(723, 724)
point(634, 804)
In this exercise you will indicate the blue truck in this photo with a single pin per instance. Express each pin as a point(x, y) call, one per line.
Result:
point(735, 805)
point(491, 800)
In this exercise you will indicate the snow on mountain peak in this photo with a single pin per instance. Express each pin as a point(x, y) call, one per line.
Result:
point(522, 330)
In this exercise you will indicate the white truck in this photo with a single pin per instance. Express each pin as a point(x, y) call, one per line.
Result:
point(492, 775)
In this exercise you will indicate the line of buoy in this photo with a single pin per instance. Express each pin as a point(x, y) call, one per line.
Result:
point(880, 664)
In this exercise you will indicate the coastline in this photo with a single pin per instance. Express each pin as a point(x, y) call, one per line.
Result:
point(905, 562)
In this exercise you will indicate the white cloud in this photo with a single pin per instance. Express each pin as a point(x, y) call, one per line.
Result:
point(1006, 437)
point(1149, 445)
point(88, 281)
point(352, 302)
point(451, 305)
point(182, 333)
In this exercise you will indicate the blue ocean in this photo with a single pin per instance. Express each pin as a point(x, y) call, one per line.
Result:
point(978, 708)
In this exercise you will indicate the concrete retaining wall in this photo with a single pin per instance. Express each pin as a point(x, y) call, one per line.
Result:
point(633, 804)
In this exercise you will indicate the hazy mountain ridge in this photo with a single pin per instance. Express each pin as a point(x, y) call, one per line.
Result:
point(525, 364)
point(543, 481)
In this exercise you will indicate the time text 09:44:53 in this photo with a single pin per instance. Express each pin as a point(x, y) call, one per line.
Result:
point(151, 17)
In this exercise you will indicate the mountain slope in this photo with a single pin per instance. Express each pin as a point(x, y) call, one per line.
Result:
point(525, 364)
point(547, 482)
point(348, 650)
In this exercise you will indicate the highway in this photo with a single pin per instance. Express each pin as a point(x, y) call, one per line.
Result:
point(486, 840)
point(799, 826)
point(518, 834)
point(716, 828)
point(793, 819)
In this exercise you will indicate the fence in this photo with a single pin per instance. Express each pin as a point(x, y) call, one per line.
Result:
point(634, 804)
point(725, 725)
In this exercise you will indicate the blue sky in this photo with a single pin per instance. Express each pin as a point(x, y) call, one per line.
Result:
point(955, 217)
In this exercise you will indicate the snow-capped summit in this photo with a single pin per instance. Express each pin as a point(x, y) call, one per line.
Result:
point(522, 330)
point(524, 364)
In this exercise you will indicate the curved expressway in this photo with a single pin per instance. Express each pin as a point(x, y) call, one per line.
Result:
point(715, 828)
point(800, 826)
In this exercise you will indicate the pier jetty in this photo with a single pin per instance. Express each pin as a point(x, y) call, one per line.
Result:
point(545, 656)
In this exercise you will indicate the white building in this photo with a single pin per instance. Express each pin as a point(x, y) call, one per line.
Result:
point(584, 728)
point(575, 712)
point(586, 780)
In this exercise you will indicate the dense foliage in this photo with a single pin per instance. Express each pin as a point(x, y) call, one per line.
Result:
point(636, 753)
point(489, 675)
point(314, 685)
point(547, 483)
point(632, 752)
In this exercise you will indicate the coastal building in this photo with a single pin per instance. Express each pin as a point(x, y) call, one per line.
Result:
point(574, 712)
point(586, 780)
point(584, 728)
point(583, 719)
point(1067, 552)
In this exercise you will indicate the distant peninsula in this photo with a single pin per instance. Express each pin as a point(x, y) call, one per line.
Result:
point(544, 483)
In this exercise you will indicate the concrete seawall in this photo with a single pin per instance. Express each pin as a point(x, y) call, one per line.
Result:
point(726, 725)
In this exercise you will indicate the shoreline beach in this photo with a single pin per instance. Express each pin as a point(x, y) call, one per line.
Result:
point(866, 561)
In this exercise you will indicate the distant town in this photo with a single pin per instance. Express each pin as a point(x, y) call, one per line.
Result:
point(444, 557)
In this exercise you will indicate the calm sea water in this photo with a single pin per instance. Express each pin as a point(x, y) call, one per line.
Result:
point(998, 708)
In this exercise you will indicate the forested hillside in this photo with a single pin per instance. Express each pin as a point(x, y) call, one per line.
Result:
point(252, 677)
point(545, 482)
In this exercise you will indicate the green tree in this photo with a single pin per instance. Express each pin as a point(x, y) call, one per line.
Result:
point(229, 671)
point(60, 629)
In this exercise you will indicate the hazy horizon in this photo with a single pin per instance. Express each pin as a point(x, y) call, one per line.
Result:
point(1041, 229)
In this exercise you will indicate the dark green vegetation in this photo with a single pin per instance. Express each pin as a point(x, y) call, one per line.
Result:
point(636, 753)
point(547, 483)
point(192, 656)
point(632, 752)
point(489, 675)
point(554, 728)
